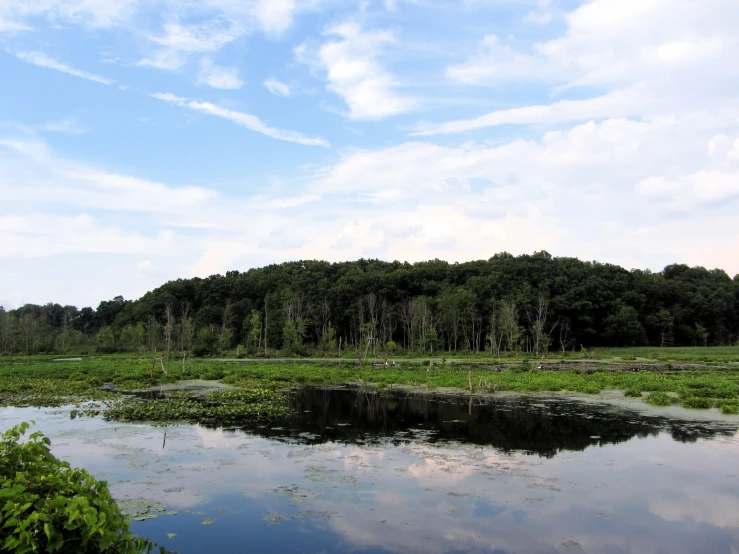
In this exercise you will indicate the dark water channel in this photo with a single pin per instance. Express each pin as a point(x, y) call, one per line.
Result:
point(396, 472)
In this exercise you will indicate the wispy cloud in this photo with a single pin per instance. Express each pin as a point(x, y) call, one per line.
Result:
point(43, 60)
point(69, 126)
point(277, 87)
point(244, 119)
point(179, 40)
point(620, 103)
point(218, 77)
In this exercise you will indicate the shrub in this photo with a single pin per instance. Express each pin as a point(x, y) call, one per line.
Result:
point(729, 408)
point(697, 403)
point(587, 388)
point(632, 393)
point(47, 506)
point(519, 369)
point(660, 398)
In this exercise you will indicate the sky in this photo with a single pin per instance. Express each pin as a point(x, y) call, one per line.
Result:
point(148, 140)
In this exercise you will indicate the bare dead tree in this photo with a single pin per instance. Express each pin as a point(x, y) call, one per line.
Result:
point(152, 338)
point(496, 336)
point(406, 317)
point(508, 322)
point(168, 332)
point(565, 335)
point(266, 325)
point(538, 321)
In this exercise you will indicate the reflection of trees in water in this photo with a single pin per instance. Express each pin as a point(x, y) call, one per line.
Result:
point(523, 424)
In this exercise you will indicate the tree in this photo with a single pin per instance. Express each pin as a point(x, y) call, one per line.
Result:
point(701, 335)
point(153, 330)
point(168, 326)
point(6, 325)
point(370, 302)
point(294, 331)
point(624, 327)
point(187, 334)
point(253, 326)
point(538, 321)
point(665, 324)
point(226, 335)
point(132, 337)
point(207, 342)
point(495, 335)
point(28, 326)
point(565, 335)
point(106, 340)
point(508, 323)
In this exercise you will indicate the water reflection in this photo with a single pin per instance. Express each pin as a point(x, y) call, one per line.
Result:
point(356, 471)
point(535, 425)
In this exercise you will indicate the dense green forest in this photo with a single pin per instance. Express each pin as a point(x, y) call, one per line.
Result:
point(533, 303)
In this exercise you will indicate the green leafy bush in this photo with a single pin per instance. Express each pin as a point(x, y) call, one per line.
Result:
point(47, 506)
point(697, 403)
point(632, 393)
point(519, 369)
point(660, 398)
point(730, 407)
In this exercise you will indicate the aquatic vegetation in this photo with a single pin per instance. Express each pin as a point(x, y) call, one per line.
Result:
point(633, 393)
point(141, 510)
point(660, 398)
point(37, 382)
point(216, 407)
point(48, 506)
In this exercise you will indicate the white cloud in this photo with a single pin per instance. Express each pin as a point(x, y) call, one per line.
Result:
point(275, 16)
point(180, 40)
point(68, 126)
point(7, 25)
point(277, 87)
point(596, 191)
point(354, 72)
point(37, 235)
point(627, 102)
point(610, 42)
point(43, 60)
point(91, 188)
point(497, 61)
point(169, 60)
point(645, 58)
point(93, 13)
point(245, 120)
point(218, 77)
point(686, 192)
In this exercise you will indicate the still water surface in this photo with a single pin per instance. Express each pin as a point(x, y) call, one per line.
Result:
point(365, 472)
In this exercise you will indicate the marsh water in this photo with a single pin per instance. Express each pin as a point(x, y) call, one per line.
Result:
point(398, 472)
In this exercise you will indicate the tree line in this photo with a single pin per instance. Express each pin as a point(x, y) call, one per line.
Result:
point(533, 303)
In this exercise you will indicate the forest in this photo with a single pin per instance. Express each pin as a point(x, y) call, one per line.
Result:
point(530, 303)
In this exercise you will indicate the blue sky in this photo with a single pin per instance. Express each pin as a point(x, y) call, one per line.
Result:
point(142, 141)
